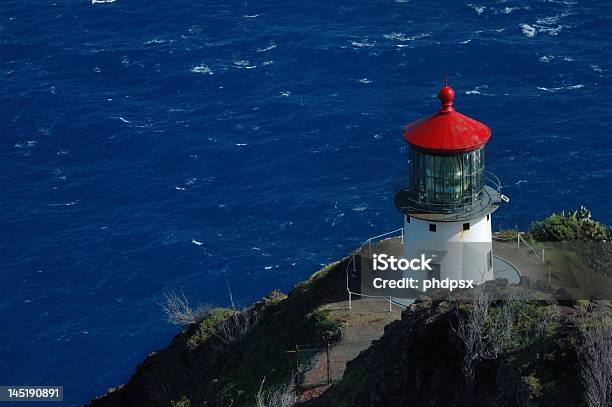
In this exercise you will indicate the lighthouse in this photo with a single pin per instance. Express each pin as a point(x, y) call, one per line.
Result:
point(447, 197)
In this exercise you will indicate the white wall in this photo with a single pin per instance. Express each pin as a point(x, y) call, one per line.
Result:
point(461, 254)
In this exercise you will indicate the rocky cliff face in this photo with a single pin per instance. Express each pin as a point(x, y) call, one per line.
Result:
point(418, 362)
point(221, 365)
point(528, 355)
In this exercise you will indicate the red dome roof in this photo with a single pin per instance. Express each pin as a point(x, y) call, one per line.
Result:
point(447, 131)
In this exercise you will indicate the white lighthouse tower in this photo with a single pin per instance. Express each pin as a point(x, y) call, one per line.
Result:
point(447, 197)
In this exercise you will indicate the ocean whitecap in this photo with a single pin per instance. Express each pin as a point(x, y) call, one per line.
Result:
point(508, 10)
point(403, 37)
point(361, 44)
point(271, 45)
point(478, 9)
point(549, 89)
point(26, 144)
point(243, 64)
point(528, 30)
point(546, 58)
point(202, 69)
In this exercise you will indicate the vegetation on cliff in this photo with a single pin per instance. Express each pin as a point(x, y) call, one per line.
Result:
point(576, 225)
point(506, 346)
point(229, 357)
point(515, 351)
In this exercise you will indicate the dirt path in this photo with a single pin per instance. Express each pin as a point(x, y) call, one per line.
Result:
point(361, 325)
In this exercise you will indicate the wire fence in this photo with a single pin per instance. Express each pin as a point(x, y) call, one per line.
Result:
point(323, 365)
point(311, 369)
point(519, 238)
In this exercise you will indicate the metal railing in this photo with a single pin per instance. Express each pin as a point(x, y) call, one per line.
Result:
point(367, 244)
point(352, 263)
point(409, 201)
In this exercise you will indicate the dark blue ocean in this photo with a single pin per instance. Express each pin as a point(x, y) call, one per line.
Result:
point(187, 145)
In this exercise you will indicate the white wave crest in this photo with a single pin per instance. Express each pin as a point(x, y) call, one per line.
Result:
point(548, 20)
point(556, 89)
point(549, 30)
point(71, 203)
point(528, 30)
point(478, 9)
point(477, 91)
point(271, 45)
point(158, 41)
point(202, 69)
point(243, 64)
point(508, 10)
point(362, 44)
point(26, 144)
point(403, 37)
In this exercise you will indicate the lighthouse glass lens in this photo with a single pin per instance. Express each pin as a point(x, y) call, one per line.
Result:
point(446, 183)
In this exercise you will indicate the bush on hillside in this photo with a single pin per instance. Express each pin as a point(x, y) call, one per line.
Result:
point(573, 225)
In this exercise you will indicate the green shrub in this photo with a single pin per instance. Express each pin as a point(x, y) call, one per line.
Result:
point(326, 323)
point(206, 328)
point(182, 402)
point(533, 385)
point(573, 225)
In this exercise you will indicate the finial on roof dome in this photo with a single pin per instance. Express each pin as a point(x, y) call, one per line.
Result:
point(446, 96)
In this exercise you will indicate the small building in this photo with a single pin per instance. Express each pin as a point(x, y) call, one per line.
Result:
point(447, 196)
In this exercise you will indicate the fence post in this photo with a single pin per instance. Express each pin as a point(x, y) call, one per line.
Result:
point(350, 305)
point(390, 304)
point(542, 255)
point(297, 368)
point(518, 240)
point(549, 274)
point(328, 368)
point(402, 235)
point(353, 261)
